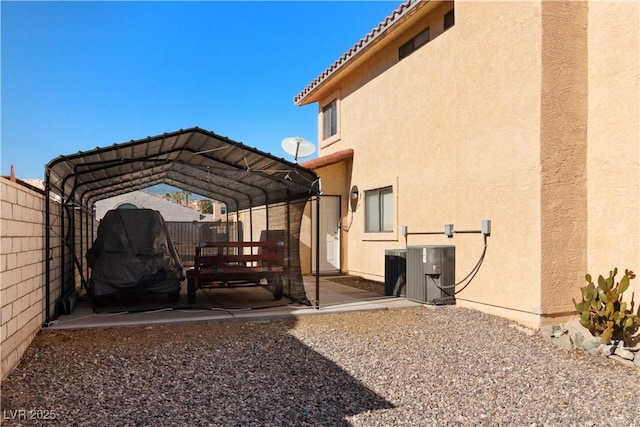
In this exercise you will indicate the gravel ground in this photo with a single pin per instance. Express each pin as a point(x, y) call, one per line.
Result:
point(417, 367)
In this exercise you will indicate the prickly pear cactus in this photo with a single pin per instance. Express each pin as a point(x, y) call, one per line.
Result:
point(602, 310)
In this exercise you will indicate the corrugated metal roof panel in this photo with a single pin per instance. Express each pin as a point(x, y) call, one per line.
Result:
point(194, 159)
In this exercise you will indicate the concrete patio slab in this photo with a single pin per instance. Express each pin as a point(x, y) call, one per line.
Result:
point(231, 304)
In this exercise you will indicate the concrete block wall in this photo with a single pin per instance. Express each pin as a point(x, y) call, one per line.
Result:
point(21, 269)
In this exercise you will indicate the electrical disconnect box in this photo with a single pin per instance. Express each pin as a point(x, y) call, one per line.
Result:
point(431, 274)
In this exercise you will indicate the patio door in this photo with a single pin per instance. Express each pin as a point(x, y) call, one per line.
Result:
point(329, 235)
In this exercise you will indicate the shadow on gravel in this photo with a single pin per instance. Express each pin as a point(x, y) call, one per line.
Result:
point(222, 374)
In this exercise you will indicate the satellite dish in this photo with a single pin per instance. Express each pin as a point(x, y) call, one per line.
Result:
point(298, 147)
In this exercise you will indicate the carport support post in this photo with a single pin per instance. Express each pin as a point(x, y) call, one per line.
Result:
point(62, 250)
point(80, 258)
point(288, 237)
point(88, 241)
point(318, 253)
point(47, 248)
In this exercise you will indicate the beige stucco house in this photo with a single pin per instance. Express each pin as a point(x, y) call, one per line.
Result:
point(525, 113)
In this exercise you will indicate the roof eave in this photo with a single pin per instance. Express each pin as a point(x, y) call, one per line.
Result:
point(359, 52)
point(329, 159)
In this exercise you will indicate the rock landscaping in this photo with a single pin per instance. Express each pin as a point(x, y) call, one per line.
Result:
point(431, 366)
point(572, 335)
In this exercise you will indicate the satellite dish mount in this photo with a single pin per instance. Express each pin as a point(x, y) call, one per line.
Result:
point(298, 147)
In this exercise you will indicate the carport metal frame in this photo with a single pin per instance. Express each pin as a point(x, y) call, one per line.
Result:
point(194, 159)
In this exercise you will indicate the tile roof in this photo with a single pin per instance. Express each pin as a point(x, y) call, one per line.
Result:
point(329, 159)
point(376, 32)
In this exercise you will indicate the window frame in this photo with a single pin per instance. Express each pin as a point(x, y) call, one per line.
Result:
point(381, 217)
point(449, 20)
point(330, 127)
point(419, 40)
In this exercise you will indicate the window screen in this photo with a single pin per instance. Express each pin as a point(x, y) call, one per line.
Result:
point(379, 210)
point(330, 120)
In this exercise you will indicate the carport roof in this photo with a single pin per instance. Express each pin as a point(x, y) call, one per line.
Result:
point(194, 159)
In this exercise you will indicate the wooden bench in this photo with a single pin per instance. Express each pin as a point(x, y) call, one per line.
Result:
point(227, 263)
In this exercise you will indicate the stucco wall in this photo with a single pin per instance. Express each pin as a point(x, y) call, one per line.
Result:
point(497, 154)
point(529, 120)
point(614, 140)
point(454, 128)
point(563, 135)
point(305, 241)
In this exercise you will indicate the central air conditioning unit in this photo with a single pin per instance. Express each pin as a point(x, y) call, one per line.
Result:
point(430, 273)
point(395, 272)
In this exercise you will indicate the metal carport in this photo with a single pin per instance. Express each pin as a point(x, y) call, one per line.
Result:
point(195, 160)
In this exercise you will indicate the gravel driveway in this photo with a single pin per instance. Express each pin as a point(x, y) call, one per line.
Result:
point(417, 367)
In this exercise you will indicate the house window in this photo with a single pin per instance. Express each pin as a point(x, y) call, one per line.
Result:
point(378, 207)
point(449, 19)
point(413, 44)
point(223, 210)
point(330, 119)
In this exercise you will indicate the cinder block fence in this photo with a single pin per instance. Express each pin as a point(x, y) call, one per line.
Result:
point(22, 267)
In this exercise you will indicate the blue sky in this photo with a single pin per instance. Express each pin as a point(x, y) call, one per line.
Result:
point(81, 75)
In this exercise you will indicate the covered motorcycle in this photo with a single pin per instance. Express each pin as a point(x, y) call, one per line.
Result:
point(133, 253)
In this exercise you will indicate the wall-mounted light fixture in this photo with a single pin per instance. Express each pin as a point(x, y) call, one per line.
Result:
point(354, 195)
